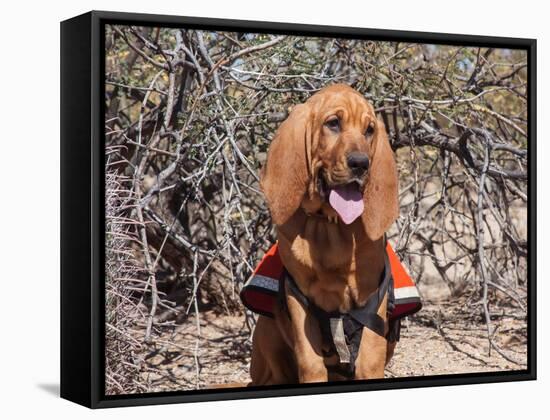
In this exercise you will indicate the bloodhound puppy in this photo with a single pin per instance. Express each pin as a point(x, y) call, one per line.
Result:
point(331, 185)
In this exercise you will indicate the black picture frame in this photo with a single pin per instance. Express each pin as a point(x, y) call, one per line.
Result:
point(82, 208)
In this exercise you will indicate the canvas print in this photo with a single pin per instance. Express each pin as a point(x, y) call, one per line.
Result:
point(288, 209)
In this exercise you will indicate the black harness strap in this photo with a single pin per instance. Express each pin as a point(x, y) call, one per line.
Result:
point(353, 321)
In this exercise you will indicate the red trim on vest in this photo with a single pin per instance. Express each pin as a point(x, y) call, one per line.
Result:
point(259, 294)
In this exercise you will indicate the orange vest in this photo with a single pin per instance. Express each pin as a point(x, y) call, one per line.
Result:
point(259, 294)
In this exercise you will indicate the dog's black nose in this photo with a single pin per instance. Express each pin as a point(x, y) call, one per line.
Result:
point(358, 161)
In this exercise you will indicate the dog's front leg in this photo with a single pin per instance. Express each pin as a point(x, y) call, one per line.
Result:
point(373, 351)
point(307, 343)
point(371, 359)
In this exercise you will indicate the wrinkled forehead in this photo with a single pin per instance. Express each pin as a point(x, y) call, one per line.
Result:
point(348, 105)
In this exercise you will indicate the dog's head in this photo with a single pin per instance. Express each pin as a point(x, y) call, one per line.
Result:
point(332, 156)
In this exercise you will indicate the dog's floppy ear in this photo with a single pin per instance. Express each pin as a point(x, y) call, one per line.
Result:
point(285, 175)
point(381, 192)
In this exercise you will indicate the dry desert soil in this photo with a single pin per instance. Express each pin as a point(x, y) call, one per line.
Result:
point(448, 336)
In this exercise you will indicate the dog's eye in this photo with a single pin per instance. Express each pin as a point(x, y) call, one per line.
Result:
point(370, 130)
point(333, 124)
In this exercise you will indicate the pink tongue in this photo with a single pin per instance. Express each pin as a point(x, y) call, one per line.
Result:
point(347, 201)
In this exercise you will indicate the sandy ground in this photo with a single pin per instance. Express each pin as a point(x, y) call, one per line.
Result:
point(446, 337)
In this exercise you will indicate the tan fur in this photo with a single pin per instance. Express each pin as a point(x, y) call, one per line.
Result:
point(337, 266)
